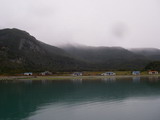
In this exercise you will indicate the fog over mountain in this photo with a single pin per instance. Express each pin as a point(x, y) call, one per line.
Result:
point(20, 51)
point(152, 53)
point(125, 23)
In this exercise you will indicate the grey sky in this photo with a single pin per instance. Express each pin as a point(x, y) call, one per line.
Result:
point(126, 23)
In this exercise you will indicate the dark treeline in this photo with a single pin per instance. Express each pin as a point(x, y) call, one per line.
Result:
point(21, 52)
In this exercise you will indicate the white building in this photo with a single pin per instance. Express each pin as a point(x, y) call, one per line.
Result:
point(108, 73)
point(153, 72)
point(46, 73)
point(77, 74)
point(28, 73)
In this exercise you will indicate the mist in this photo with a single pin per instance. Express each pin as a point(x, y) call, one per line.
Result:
point(125, 23)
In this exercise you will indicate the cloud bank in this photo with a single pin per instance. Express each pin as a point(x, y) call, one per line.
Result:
point(126, 23)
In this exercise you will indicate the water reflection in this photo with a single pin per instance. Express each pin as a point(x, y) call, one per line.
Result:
point(19, 99)
point(109, 79)
point(153, 78)
point(77, 81)
point(136, 79)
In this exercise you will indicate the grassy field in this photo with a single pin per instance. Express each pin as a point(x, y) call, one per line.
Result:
point(68, 75)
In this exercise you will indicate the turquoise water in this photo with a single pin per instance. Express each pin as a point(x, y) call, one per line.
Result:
point(107, 99)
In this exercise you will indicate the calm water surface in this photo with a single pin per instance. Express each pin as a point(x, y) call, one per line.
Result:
point(107, 99)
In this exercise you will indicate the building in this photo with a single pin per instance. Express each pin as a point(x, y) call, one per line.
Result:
point(136, 73)
point(77, 74)
point(108, 73)
point(153, 72)
point(28, 73)
point(46, 73)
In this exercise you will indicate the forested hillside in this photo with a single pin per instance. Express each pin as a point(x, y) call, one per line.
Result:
point(19, 52)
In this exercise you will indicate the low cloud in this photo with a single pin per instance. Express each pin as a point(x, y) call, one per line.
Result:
point(125, 23)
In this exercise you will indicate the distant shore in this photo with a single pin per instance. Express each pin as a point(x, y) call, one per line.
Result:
point(69, 77)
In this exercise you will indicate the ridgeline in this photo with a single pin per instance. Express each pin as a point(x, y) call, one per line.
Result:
point(20, 52)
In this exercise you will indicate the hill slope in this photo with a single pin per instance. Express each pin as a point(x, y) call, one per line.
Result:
point(19, 51)
point(107, 57)
point(150, 53)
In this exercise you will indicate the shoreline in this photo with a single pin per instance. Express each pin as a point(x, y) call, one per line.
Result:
point(69, 77)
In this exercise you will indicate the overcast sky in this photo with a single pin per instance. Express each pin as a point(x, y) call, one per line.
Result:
point(126, 23)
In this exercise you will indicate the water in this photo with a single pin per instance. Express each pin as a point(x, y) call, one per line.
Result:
point(107, 99)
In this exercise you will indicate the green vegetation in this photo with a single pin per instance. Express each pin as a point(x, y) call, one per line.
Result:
point(20, 52)
point(153, 66)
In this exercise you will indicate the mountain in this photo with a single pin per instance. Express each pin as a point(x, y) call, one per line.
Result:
point(151, 53)
point(115, 58)
point(19, 51)
point(153, 66)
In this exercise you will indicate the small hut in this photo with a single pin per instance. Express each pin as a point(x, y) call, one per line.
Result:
point(77, 74)
point(108, 73)
point(153, 72)
point(46, 73)
point(28, 73)
point(136, 73)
